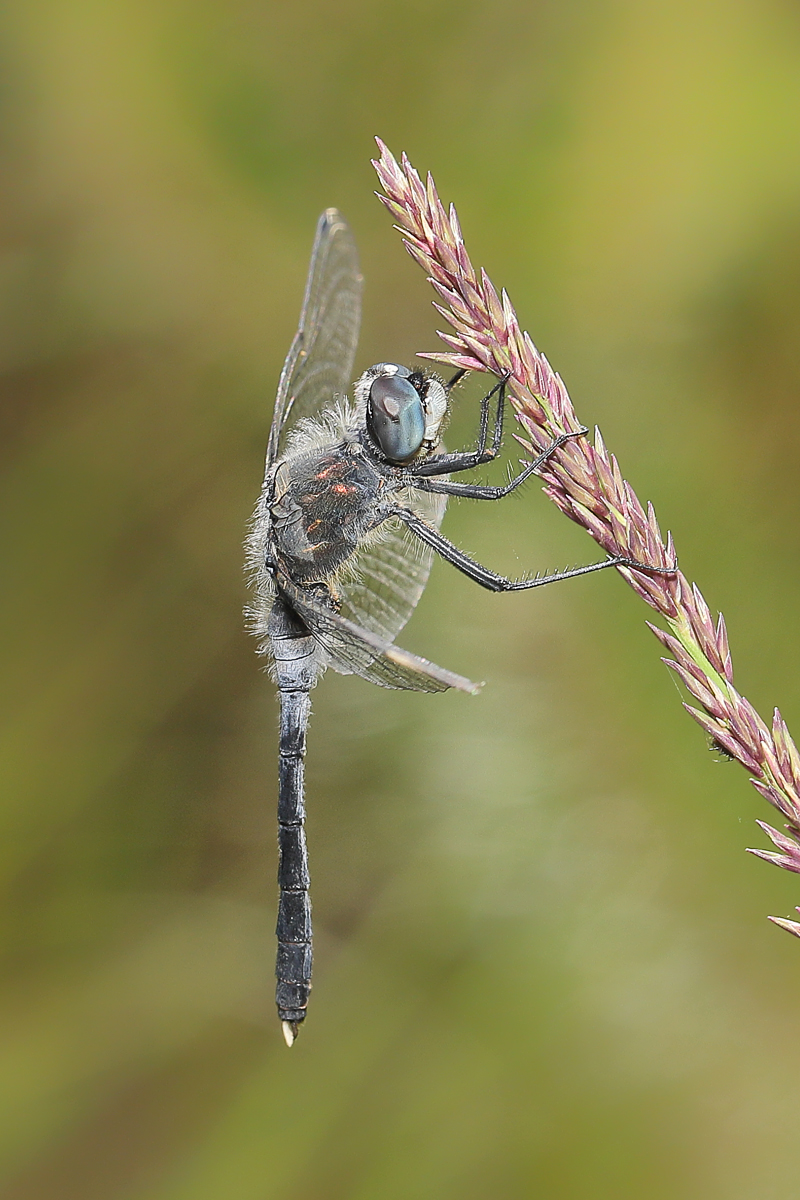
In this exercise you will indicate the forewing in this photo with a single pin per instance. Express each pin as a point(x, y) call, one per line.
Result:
point(356, 651)
point(386, 578)
point(320, 361)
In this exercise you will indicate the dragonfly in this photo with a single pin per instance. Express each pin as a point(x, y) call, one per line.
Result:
point(342, 540)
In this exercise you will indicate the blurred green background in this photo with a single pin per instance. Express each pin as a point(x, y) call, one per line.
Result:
point(543, 967)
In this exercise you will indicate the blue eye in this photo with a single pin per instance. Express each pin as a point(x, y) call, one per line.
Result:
point(395, 417)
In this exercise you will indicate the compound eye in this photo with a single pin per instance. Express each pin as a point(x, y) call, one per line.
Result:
point(395, 417)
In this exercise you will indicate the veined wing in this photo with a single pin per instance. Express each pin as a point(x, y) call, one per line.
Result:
point(386, 578)
point(356, 651)
point(320, 361)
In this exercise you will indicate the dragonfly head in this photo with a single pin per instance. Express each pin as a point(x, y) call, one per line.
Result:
point(402, 409)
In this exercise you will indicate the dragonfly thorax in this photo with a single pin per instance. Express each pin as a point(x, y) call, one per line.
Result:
point(321, 510)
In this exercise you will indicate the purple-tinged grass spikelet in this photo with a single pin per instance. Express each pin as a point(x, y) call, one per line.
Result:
point(773, 797)
point(789, 926)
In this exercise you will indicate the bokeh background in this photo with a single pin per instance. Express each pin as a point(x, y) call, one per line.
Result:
point(543, 965)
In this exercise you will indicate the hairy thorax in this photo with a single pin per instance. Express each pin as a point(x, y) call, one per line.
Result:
point(322, 508)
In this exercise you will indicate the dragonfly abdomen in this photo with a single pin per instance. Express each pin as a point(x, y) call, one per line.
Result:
point(297, 666)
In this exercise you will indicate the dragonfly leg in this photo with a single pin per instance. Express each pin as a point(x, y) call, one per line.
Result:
point(444, 464)
point(499, 583)
point(479, 491)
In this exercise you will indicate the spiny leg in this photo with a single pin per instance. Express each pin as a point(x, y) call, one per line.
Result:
point(465, 460)
point(499, 583)
point(479, 491)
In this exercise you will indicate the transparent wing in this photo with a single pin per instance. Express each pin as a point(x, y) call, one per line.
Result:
point(320, 361)
point(355, 651)
point(386, 578)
